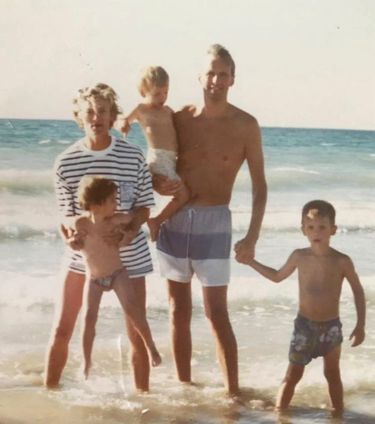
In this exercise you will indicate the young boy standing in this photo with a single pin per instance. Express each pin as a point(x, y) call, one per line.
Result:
point(156, 121)
point(98, 235)
point(317, 328)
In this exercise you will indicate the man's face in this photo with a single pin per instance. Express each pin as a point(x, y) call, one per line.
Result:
point(96, 117)
point(216, 78)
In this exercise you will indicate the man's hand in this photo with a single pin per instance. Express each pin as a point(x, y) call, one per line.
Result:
point(358, 335)
point(164, 186)
point(245, 250)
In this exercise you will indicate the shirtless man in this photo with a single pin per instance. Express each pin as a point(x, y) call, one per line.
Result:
point(317, 328)
point(214, 141)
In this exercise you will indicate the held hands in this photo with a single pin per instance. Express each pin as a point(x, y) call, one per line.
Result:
point(358, 335)
point(245, 250)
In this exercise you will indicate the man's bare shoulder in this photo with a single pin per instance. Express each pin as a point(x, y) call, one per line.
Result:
point(244, 118)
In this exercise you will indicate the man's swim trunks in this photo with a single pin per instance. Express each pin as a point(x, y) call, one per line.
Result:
point(312, 339)
point(106, 283)
point(197, 239)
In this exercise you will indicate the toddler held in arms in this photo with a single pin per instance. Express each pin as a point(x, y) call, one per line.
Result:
point(156, 121)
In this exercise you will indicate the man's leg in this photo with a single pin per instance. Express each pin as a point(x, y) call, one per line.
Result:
point(215, 304)
point(180, 306)
point(62, 331)
point(293, 375)
point(138, 353)
point(332, 374)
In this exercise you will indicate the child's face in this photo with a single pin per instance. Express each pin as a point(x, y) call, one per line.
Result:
point(95, 114)
point(108, 207)
point(318, 230)
point(157, 96)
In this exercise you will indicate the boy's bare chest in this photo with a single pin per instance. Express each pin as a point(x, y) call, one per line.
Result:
point(320, 274)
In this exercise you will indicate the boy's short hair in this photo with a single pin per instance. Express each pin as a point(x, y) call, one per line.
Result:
point(101, 91)
point(319, 208)
point(94, 190)
point(217, 50)
point(153, 76)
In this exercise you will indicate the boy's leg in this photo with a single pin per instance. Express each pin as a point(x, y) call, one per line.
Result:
point(178, 200)
point(93, 296)
point(66, 316)
point(286, 391)
point(138, 353)
point(332, 374)
point(180, 309)
point(215, 303)
point(127, 296)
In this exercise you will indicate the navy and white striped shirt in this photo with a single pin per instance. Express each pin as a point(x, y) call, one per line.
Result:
point(124, 164)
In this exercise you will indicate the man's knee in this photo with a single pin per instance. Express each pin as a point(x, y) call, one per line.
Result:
point(180, 311)
point(217, 315)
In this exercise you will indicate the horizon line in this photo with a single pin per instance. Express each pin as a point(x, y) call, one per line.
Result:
point(261, 126)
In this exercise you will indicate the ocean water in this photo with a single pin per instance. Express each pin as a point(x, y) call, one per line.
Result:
point(301, 164)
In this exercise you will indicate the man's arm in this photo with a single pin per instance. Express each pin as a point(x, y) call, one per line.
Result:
point(245, 248)
point(276, 275)
point(358, 334)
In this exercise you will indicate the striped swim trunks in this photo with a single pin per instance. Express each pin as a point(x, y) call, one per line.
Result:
point(196, 240)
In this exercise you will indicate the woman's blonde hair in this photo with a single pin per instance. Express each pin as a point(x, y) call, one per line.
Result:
point(101, 91)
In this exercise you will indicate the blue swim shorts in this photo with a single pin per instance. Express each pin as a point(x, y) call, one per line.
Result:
point(313, 338)
point(196, 240)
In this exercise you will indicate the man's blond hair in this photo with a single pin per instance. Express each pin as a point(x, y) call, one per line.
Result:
point(217, 50)
point(152, 76)
point(100, 91)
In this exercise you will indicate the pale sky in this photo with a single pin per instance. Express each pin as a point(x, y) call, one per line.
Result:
point(300, 63)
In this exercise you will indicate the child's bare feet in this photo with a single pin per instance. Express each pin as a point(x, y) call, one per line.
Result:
point(153, 226)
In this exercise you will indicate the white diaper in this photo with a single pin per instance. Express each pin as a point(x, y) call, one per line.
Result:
point(161, 161)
